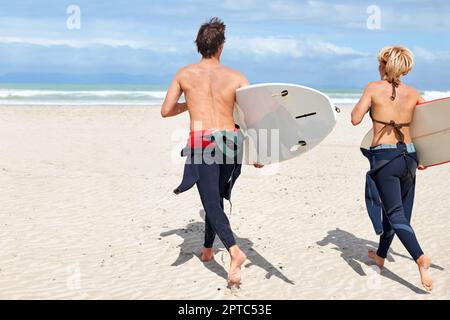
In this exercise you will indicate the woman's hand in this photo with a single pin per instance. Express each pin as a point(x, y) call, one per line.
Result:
point(422, 167)
point(258, 166)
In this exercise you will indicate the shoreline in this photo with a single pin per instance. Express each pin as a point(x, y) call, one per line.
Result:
point(133, 95)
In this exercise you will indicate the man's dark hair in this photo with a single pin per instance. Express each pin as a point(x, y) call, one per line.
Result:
point(210, 37)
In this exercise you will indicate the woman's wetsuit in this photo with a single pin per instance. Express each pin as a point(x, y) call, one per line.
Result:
point(390, 188)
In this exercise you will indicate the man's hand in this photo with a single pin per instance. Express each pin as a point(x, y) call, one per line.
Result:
point(422, 167)
point(258, 166)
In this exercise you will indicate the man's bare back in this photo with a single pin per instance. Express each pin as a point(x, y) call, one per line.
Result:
point(210, 92)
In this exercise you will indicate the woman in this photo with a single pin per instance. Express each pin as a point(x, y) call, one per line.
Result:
point(391, 180)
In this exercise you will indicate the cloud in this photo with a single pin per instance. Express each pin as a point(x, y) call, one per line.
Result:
point(73, 43)
point(428, 56)
point(289, 46)
point(87, 43)
point(259, 46)
point(327, 48)
point(424, 54)
point(266, 39)
point(265, 46)
point(239, 5)
point(360, 63)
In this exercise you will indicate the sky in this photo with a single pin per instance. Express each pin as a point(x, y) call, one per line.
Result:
point(324, 44)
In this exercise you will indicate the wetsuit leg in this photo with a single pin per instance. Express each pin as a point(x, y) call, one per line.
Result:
point(210, 233)
point(386, 238)
point(226, 170)
point(408, 185)
point(390, 184)
point(216, 220)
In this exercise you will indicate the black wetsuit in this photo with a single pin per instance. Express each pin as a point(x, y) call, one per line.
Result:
point(214, 170)
point(390, 189)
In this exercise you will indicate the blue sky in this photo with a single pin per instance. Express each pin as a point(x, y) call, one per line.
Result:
point(323, 44)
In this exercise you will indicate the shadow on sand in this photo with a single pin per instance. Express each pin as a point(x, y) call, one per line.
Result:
point(354, 252)
point(192, 236)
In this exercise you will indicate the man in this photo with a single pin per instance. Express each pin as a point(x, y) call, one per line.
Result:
point(210, 92)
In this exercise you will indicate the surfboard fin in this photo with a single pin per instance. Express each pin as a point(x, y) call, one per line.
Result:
point(283, 94)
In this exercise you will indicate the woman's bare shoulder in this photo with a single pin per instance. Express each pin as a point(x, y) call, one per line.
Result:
point(375, 85)
point(374, 88)
point(413, 94)
point(410, 89)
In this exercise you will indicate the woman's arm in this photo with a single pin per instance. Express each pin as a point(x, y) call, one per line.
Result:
point(420, 99)
point(361, 108)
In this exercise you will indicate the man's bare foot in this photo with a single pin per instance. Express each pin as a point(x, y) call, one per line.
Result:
point(237, 260)
point(424, 263)
point(378, 260)
point(207, 254)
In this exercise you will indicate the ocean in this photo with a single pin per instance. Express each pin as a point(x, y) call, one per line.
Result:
point(130, 95)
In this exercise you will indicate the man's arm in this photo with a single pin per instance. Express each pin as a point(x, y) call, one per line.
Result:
point(243, 82)
point(171, 107)
point(362, 107)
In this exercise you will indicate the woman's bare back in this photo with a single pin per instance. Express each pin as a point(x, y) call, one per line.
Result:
point(384, 109)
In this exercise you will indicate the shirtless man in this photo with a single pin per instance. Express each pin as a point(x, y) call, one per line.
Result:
point(210, 92)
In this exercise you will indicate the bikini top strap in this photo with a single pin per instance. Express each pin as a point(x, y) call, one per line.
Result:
point(396, 126)
point(395, 85)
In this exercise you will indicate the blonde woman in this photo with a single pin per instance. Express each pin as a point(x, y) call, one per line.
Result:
point(391, 181)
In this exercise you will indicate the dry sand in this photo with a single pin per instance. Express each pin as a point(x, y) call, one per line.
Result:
point(86, 211)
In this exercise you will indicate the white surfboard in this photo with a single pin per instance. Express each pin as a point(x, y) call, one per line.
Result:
point(282, 121)
point(430, 132)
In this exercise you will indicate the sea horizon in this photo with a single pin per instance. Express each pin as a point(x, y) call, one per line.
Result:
point(59, 94)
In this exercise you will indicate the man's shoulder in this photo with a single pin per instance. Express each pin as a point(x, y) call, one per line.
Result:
point(237, 76)
point(186, 69)
point(232, 71)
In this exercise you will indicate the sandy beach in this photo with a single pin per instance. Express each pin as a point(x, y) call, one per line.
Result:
point(87, 212)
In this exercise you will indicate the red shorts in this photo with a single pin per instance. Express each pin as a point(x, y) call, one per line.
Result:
point(202, 138)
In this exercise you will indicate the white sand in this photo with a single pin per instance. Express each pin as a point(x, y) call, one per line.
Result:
point(86, 194)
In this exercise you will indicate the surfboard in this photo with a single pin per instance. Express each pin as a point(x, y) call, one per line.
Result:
point(430, 132)
point(281, 121)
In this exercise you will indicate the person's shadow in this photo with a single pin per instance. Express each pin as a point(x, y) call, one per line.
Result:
point(193, 234)
point(354, 252)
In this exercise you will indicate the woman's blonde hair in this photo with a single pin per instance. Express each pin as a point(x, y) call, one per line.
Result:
point(398, 61)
